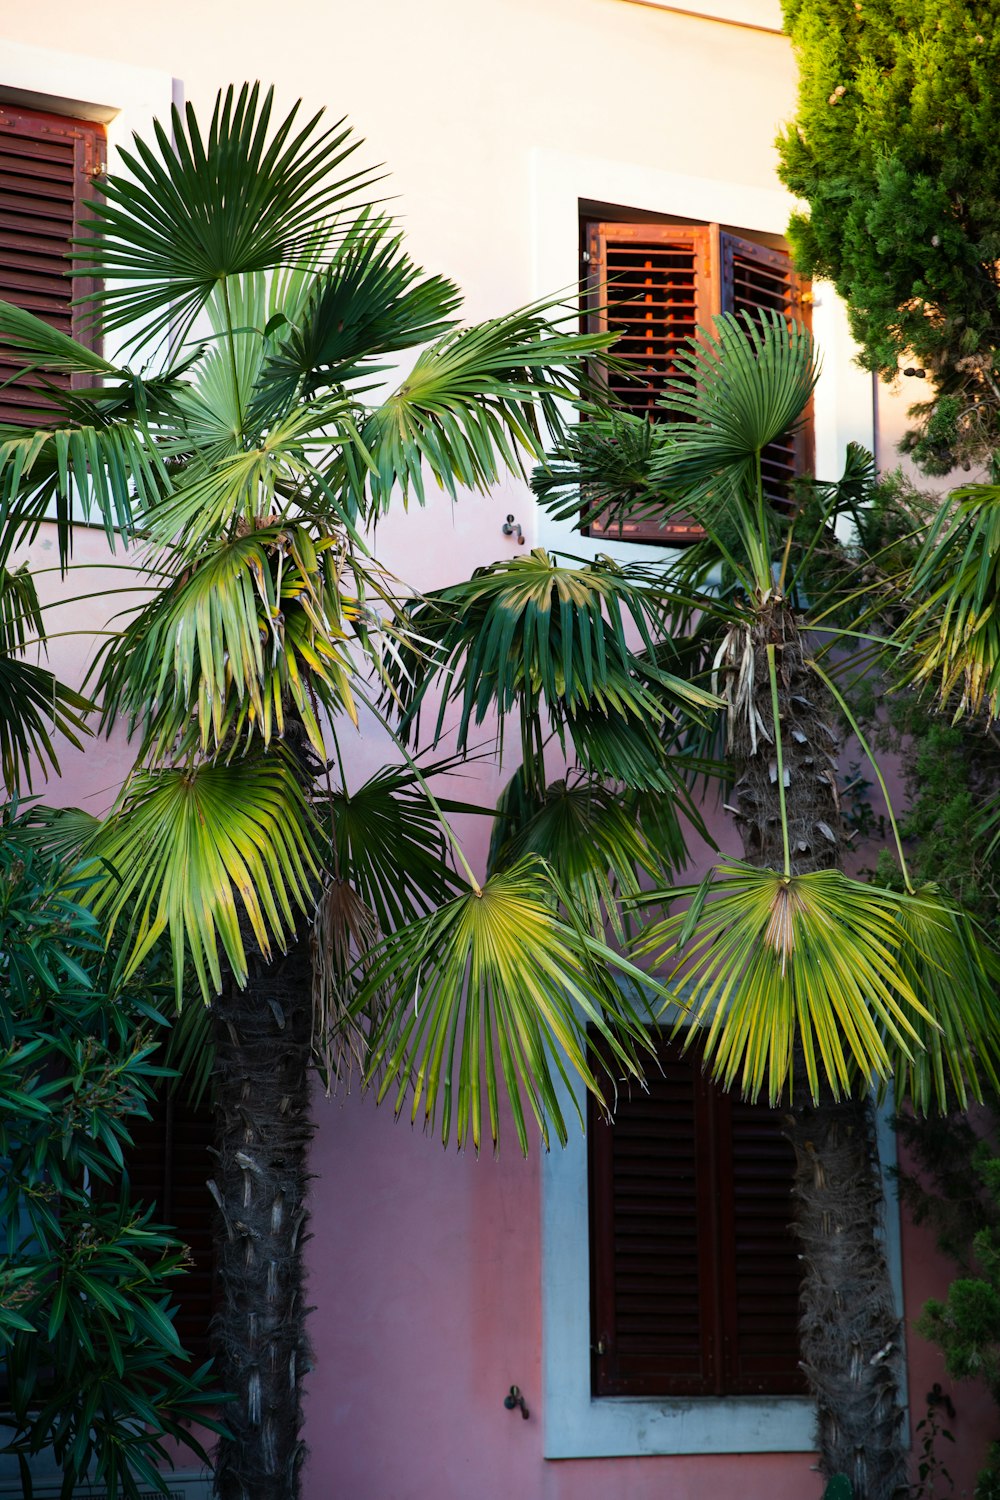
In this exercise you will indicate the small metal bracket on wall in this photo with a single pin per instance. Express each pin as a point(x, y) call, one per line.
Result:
point(514, 1399)
point(512, 528)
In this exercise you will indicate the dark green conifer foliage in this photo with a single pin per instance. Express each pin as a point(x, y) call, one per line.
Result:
point(895, 146)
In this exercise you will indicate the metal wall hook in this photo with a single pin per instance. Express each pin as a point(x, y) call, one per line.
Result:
point(512, 528)
point(514, 1399)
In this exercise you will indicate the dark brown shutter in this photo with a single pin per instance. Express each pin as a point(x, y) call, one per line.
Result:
point(652, 284)
point(759, 1261)
point(694, 1270)
point(46, 166)
point(758, 277)
point(169, 1166)
point(650, 1196)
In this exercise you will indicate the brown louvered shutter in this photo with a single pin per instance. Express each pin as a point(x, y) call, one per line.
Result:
point(694, 1270)
point(654, 284)
point(169, 1166)
point(46, 165)
point(759, 1262)
point(756, 277)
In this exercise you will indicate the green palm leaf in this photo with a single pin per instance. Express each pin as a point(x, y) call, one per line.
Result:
point(20, 611)
point(739, 390)
point(530, 634)
point(588, 835)
point(769, 962)
point(955, 972)
point(602, 468)
point(476, 404)
point(390, 868)
point(953, 627)
point(43, 347)
point(34, 707)
point(369, 302)
point(76, 469)
point(195, 210)
point(742, 387)
point(494, 974)
point(255, 624)
point(191, 852)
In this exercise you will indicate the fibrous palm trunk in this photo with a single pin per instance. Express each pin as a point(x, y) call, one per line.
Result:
point(850, 1334)
point(262, 1041)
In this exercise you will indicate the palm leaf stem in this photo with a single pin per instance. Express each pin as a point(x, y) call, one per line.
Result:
point(845, 709)
point(772, 673)
point(231, 352)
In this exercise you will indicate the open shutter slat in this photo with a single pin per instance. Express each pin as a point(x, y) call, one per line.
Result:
point(655, 285)
point(758, 277)
point(46, 165)
point(652, 284)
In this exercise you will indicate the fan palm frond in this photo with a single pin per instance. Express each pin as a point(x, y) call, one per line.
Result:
point(34, 708)
point(196, 210)
point(767, 962)
point(390, 868)
point(953, 627)
point(259, 622)
point(75, 471)
point(955, 972)
point(188, 852)
point(497, 973)
point(531, 633)
point(369, 302)
point(477, 404)
point(602, 469)
point(585, 832)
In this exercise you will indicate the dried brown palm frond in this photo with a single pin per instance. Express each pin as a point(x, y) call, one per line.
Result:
point(345, 930)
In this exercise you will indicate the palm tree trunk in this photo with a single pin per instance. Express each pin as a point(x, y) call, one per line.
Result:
point(850, 1337)
point(262, 1040)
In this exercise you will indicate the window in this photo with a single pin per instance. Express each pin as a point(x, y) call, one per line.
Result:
point(694, 1270)
point(655, 284)
point(46, 165)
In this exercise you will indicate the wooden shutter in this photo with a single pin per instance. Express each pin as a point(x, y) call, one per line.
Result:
point(759, 1264)
point(170, 1165)
point(653, 285)
point(650, 1273)
point(694, 1270)
point(756, 277)
point(46, 165)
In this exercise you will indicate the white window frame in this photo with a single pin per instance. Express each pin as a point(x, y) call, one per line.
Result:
point(578, 1424)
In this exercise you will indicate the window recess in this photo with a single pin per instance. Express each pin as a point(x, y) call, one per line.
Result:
point(655, 284)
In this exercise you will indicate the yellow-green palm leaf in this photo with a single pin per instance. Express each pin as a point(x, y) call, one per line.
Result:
point(257, 623)
point(192, 853)
point(953, 627)
point(766, 962)
point(496, 974)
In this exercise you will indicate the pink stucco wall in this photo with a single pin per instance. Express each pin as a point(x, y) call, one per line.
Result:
point(426, 1269)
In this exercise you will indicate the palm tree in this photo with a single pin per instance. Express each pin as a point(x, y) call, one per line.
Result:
point(241, 476)
point(799, 981)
